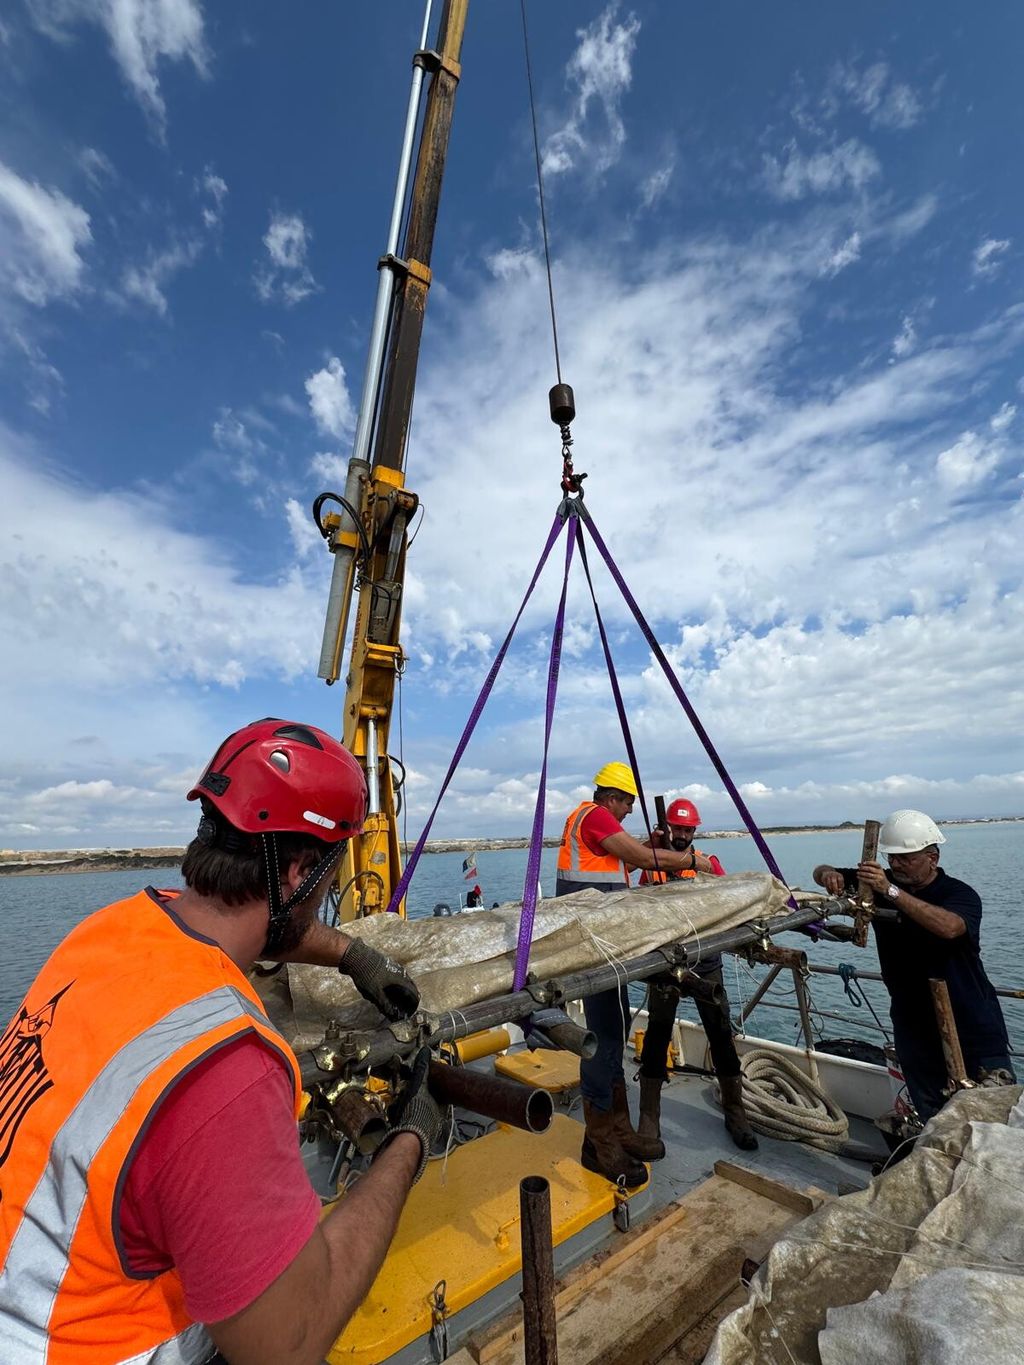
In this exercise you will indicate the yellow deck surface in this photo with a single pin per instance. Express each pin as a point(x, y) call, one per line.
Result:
point(463, 1228)
point(546, 1070)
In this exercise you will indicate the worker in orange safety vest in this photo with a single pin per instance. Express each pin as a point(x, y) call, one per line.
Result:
point(596, 853)
point(682, 818)
point(154, 1206)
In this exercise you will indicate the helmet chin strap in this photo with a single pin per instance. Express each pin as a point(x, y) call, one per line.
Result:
point(281, 911)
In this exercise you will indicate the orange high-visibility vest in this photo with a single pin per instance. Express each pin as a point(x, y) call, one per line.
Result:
point(578, 865)
point(129, 1002)
point(656, 877)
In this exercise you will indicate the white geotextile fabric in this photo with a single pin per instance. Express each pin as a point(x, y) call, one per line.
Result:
point(461, 959)
point(925, 1266)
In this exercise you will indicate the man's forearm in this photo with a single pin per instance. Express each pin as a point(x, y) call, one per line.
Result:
point(301, 1313)
point(942, 923)
point(321, 946)
point(359, 1228)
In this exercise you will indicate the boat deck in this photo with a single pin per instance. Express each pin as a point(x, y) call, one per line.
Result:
point(689, 1226)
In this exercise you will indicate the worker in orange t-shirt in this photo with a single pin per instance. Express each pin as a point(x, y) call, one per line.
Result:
point(683, 818)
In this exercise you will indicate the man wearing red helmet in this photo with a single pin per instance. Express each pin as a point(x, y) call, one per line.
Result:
point(682, 818)
point(156, 1207)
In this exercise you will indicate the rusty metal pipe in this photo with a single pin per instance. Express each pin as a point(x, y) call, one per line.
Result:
point(522, 1106)
point(698, 988)
point(865, 895)
point(794, 958)
point(362, 1123)
point(540, 1337)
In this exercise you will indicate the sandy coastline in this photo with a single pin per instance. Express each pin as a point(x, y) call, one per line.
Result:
point(38, 863)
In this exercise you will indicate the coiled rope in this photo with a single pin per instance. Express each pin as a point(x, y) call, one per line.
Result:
point(782, 1102)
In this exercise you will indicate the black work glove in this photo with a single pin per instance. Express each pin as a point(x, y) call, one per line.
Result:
point(416, 1111)
point(377, 979)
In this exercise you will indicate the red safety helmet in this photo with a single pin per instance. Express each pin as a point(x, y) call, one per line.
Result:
point(278, 777)
point(683, 812)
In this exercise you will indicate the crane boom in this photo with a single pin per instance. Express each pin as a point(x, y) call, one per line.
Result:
point(369, 536)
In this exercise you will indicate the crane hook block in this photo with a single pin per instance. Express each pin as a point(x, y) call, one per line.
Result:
point(563, 405)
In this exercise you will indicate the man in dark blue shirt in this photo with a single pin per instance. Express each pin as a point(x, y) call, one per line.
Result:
point(937, 933)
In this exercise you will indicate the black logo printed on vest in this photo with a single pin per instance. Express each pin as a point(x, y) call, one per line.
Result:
point(24, 1077)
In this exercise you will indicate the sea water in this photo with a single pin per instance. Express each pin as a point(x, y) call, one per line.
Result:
point(36, 913)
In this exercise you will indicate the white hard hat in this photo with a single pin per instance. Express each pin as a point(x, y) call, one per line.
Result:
point(908, 831)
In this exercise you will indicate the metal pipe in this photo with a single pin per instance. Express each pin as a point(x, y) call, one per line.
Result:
point(540, 1337)
point(342, 577)
point(376, 1048)
point(554, 1029)
point(795, 958)
point(697, 988)
point(800, 986)
point(522, 1106)
point(759, 994)
point(372, 769)
point(947, 1032)
point(386, 275)
point(1006, 992)
point(363, 1124)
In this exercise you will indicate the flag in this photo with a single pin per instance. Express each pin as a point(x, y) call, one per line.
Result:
point(469, 868)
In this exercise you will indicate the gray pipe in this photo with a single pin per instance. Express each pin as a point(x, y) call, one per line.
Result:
point(386, 275)
point(372, 769)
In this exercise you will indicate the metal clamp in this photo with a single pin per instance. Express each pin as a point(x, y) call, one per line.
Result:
point(439, 1321)
point(621, 1212)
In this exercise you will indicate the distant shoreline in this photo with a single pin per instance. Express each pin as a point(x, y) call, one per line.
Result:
point(41, 863)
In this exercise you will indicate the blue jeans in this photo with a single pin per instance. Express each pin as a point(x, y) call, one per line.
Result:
point(608, 1016)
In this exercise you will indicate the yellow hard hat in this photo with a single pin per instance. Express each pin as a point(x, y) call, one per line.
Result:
point(617, 775)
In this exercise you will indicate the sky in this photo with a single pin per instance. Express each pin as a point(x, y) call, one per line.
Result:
point(787, 257)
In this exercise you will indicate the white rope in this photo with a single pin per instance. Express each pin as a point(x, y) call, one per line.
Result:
point(783, 1102)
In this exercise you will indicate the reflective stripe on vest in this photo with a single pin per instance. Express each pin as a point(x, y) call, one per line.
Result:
point(38, 1257)
point(578, 864)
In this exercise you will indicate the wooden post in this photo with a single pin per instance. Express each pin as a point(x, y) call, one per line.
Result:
point(950, 1038)
point(865, 896)
point(540, 1341)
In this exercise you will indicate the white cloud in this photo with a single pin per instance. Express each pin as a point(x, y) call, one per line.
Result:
point(142, 34)
point(988, 257)
point(655, 185)
point(599, 73)
point(42, 236)
point(968, 461)
point(905, 340)
point(216, 189)
point(1003, 418)
point(145, 283)
point(97, 167)
point(285, 277)
point(131, 596)
point(849, 165)
point(845, 254)
point(329, 400)
point(887, 102)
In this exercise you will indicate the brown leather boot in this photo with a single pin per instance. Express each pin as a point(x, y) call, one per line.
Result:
point(631, 1142)
point(737, 1125)
point(602, 1152)
point(649, 1126)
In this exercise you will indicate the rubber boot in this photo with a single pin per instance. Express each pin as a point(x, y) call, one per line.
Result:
point(631, 1142)
point(602, 1152)
point(737, 1125)
point(649, 1126)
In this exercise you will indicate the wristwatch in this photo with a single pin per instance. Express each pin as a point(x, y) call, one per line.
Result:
point(892, 891)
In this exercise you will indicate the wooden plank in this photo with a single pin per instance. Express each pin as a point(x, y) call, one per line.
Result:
point(659, 1331)
point(489, 1345)
point(632, 1309)
point(800, 1201)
